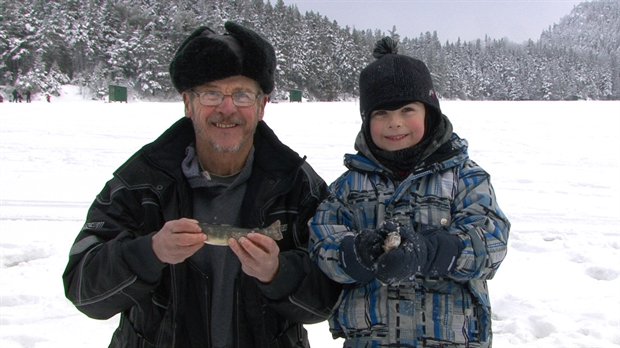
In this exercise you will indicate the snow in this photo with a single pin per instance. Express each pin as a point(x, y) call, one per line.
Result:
point(555, 167)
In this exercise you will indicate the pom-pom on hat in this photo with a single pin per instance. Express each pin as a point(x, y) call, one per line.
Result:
point(394, 78)
point(206, 56)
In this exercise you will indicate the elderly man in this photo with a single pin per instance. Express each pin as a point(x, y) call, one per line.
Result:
point(142, 252)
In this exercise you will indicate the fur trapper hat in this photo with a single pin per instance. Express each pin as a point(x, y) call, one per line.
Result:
point(206, 56)
point(394, 78)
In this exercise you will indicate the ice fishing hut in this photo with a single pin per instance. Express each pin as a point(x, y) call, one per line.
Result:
point(295, 95)
point(117, 93)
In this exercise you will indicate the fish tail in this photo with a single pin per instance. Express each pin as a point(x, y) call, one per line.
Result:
point(273, 231)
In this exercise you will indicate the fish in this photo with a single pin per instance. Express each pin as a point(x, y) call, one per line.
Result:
point(392, 241)
point(218, 234)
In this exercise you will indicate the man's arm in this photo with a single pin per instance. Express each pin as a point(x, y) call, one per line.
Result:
point(300, 291)
point(112, 264)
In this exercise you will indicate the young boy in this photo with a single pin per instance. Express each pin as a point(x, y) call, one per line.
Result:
point(413, 227)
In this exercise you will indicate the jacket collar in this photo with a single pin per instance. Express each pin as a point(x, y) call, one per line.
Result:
point(168, 151)
point(449, 154)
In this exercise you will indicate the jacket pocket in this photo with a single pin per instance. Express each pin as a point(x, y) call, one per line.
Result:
point(294, 337)
point(150, 323)
point(126, 337)
point(432, 198)
point(448, 312)
point(362, 308)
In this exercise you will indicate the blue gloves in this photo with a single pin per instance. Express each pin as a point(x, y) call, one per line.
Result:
point(443, 249)
point(359, 254)
point(405, 261)
point(430, 252)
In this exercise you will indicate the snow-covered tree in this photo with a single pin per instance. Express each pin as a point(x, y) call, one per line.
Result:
point(94, 43)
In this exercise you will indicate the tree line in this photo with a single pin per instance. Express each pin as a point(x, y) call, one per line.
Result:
point(95, 43)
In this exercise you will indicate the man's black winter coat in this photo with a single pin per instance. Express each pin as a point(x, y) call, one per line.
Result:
point(112, 267)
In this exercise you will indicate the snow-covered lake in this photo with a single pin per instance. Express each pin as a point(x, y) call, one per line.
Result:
point(555, 167)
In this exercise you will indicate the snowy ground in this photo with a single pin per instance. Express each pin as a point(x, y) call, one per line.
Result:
point(555, 167)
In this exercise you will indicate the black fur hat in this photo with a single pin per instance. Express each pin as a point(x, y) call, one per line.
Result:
point(394, 78)
point(206, 56)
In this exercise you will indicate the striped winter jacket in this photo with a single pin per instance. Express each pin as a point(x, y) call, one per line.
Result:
point(423, 312)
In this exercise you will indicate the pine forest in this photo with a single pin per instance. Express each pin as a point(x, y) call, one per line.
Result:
point(95, 43)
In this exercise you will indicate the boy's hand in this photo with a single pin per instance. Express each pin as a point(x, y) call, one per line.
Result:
point(405, 261)
point(359, 253)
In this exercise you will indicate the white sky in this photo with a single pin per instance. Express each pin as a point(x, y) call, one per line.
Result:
point(518, 20)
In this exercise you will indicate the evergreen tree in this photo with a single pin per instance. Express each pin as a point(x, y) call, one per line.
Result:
point(19, 39)
point(93, 43)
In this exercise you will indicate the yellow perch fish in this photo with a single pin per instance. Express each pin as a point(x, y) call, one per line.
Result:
point(219, 234)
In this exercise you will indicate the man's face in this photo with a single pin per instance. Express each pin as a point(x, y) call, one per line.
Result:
point(393, 130)
point(225, 127)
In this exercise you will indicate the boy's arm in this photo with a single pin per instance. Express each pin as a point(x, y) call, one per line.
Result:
point(330, 225)
point(480, 224)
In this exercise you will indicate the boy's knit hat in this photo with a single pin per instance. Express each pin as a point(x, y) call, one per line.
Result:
point(395, 78)
point(206, 56)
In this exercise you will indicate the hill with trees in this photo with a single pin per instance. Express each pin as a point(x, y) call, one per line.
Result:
point(94, 43)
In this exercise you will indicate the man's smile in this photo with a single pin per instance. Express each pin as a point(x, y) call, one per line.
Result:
point(225, 125)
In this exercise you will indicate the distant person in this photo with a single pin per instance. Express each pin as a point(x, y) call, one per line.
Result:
point(28, 96)
point(48, 97)
point(413, 227)
point(141, 252)
point(15, 95)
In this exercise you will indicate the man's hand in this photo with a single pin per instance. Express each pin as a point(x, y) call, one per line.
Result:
point(258, 255)
point(178, 240)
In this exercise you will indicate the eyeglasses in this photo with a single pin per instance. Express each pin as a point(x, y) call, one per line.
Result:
point(213, 98)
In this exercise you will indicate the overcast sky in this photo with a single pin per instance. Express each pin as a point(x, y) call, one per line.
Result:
point(518, 20)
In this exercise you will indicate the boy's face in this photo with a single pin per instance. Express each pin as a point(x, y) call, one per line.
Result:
point(398, 129)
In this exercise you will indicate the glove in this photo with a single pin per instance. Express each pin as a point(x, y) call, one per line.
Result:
point(359, 253)
point(443, 249)
point(405, 261)
point(432, 252)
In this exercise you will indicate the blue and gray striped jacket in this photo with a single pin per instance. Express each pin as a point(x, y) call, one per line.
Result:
point(423, 312)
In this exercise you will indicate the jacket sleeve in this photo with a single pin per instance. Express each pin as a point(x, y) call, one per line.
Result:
point(332, 222)
point(112, 265)
point(477, 221)
point(300, 291)
point(480, 223)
